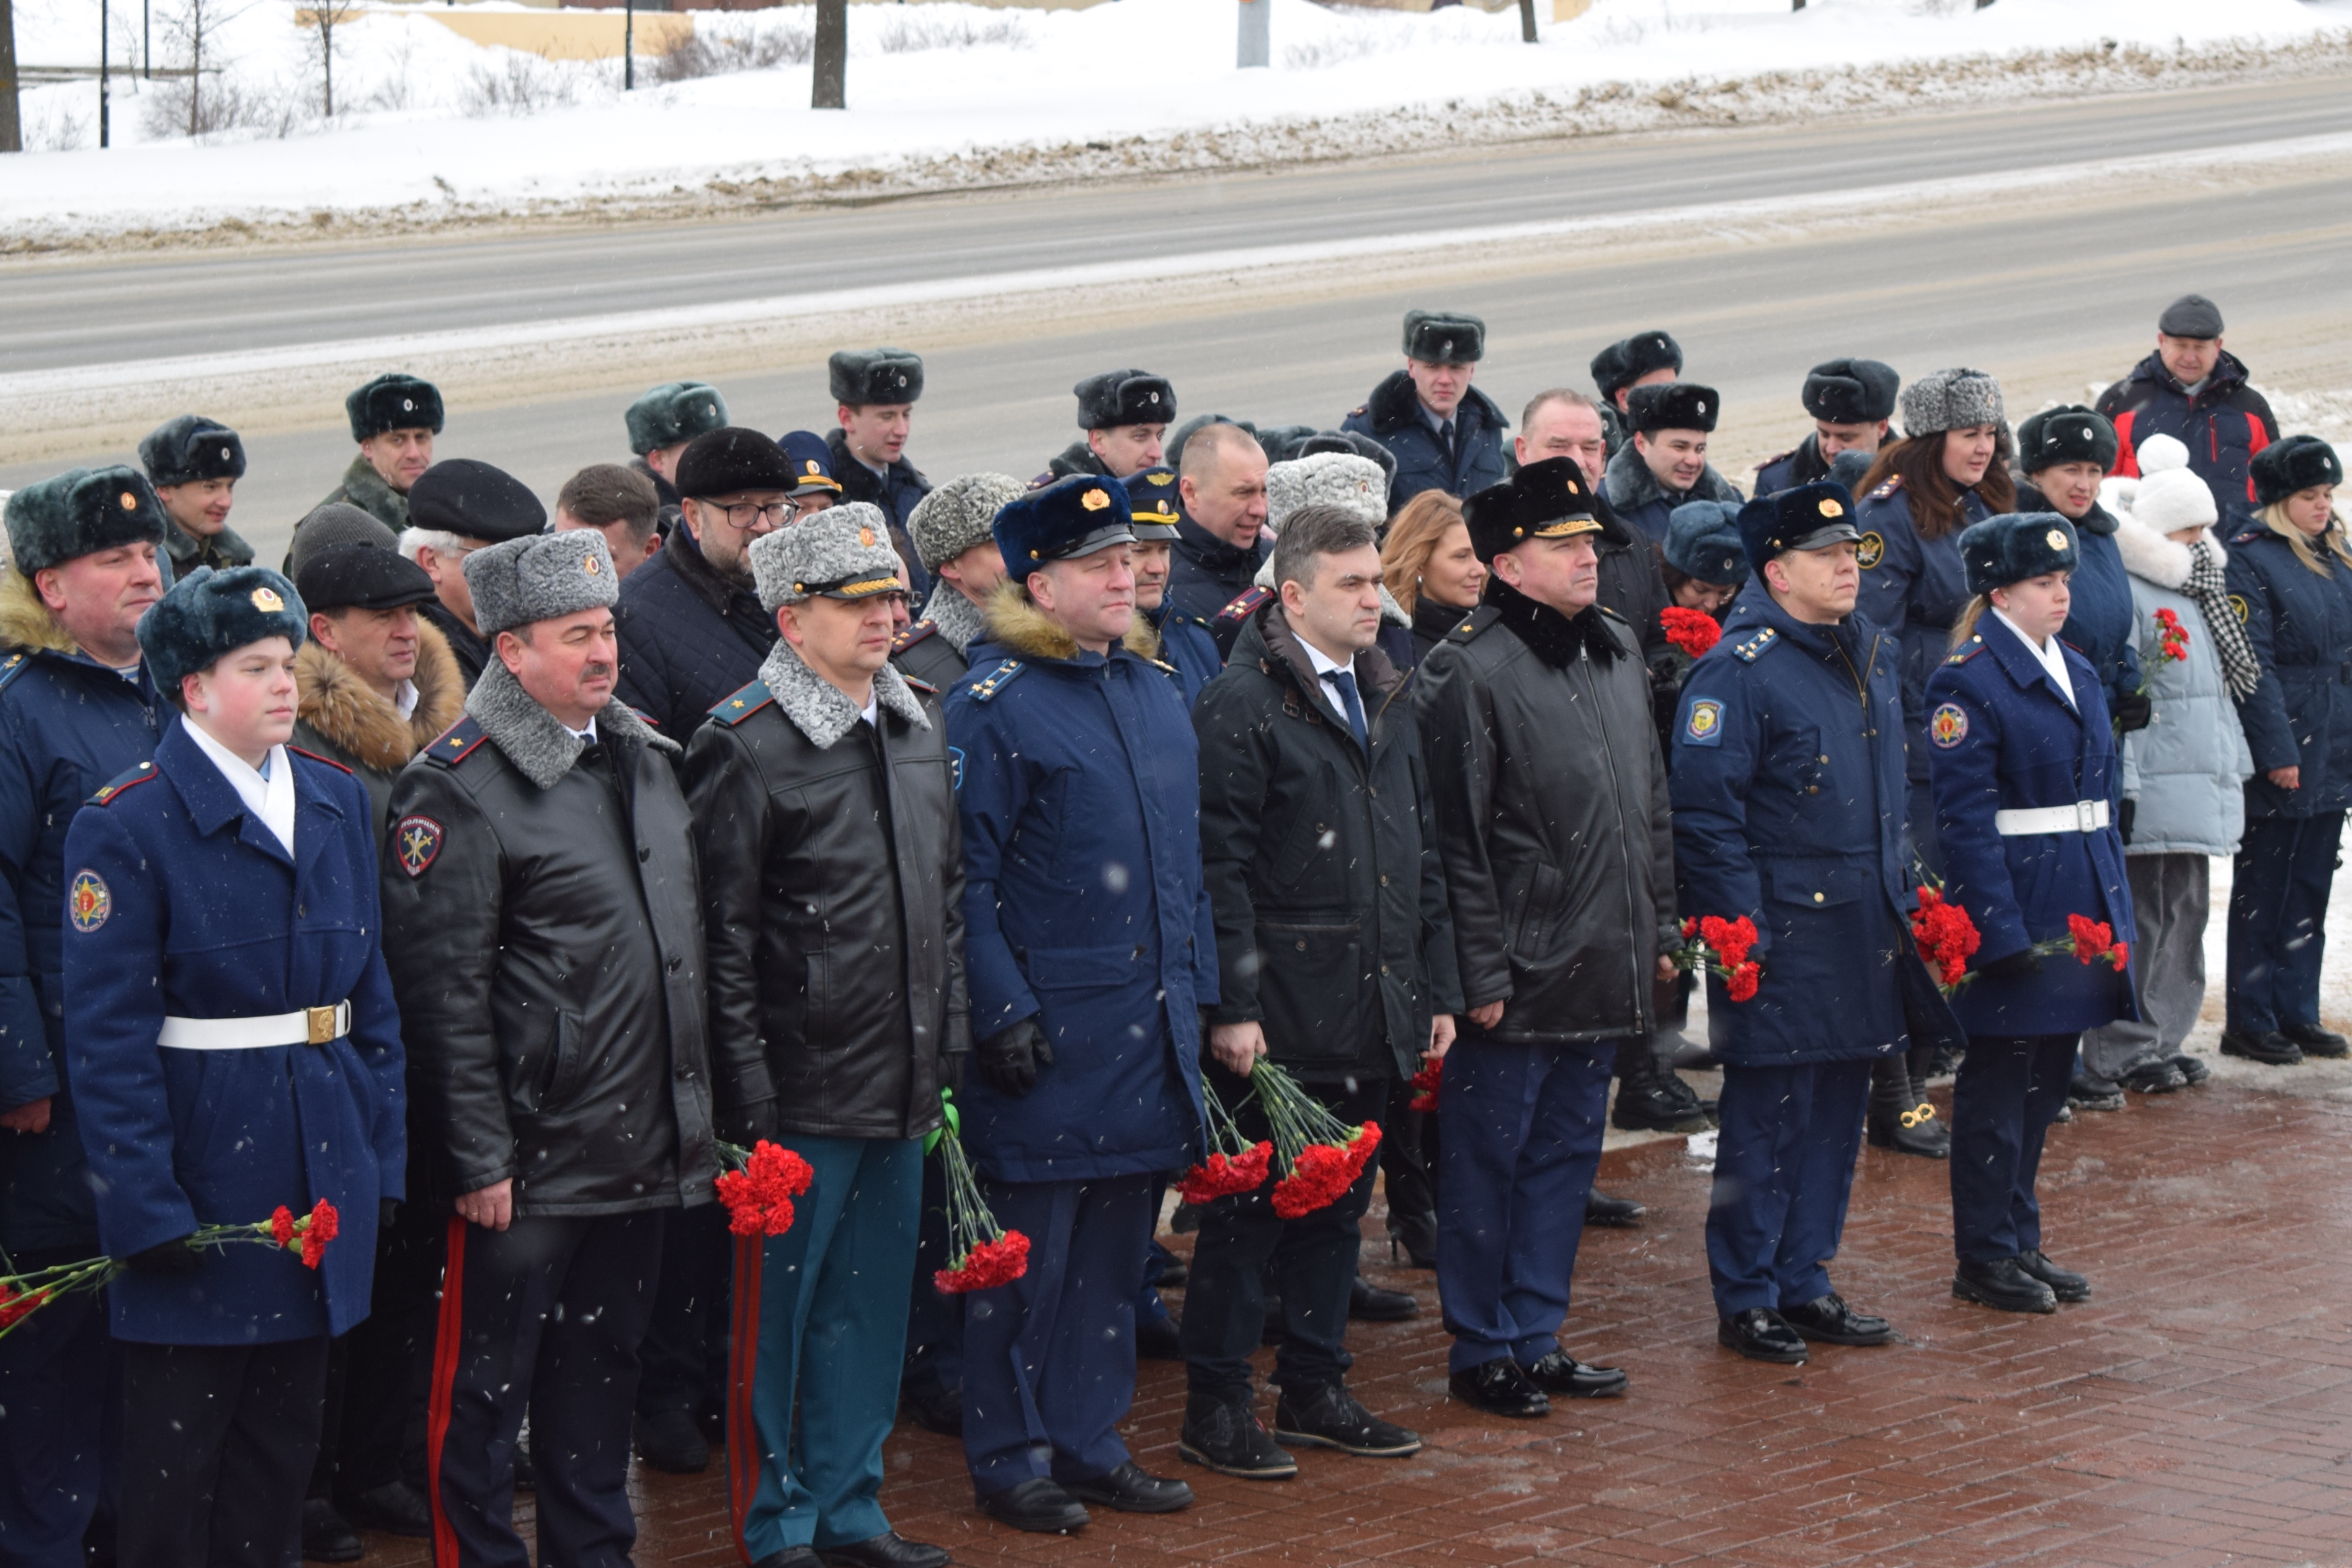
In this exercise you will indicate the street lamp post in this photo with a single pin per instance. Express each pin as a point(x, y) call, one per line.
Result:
point(629, 49)
point(104, 86)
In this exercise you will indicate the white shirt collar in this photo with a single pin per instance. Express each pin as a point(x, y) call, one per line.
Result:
point(589, 734)
point(267, 794)
point(2051, 655)
point(404, 697)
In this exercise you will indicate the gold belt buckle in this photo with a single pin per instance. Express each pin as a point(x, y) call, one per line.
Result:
point(322, 1023)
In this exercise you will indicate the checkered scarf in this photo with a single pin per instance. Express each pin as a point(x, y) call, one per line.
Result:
point(2240, 668)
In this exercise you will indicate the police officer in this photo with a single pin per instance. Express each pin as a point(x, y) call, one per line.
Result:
point(1851, 401)
point(195, 463)
point(1645, 359)
point(1090, 949)
point(875, 391)
point(1444, 433)
point(1125, 414)
point(2026, 786)
point(953, 529)
point(1220, 536)
point(77, 708)
point(661, 422)
point(2064, 452)
point(1789, 797)
point(393, 418)
point(1184, 639)
point(1665, 465)
point(235, 1048)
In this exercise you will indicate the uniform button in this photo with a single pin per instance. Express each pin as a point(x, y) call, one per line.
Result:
point(674, 963)
point(1822, 760)
point(1374, 792)
point(1812, 789)
point(1302, 947)
point(1384, 879)
point(1817, 898)
point(1384, 969)
point(302, 911)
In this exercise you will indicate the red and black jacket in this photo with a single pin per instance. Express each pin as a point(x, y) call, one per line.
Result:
point(2223, 425)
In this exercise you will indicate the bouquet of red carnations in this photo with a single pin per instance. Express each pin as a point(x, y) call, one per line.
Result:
point(1721, 947)
point(985, 1254)
point(759, 1192)
point(23, 1294)
point(1234, 1163)
point(1322, 1156)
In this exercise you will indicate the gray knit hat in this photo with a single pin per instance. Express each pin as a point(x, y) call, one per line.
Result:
point(1355, 485)
point(539, 577)
point(842, 552)
point(1951, 400)
point(958, 515)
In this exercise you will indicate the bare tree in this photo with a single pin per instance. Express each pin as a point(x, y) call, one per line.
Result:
point(12, 125)
point(330, 15)
point(830, 90)
point(192, 28)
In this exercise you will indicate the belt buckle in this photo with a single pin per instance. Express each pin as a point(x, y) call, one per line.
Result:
point(322, 1023)
point(2085, 816)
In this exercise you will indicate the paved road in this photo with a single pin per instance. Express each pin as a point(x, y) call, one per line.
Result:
point(2058, 294)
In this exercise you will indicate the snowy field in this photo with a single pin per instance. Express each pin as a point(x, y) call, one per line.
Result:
point(431, 128)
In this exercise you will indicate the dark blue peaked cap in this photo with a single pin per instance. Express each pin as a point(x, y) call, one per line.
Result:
point(1809, 517)
point(1073, 516)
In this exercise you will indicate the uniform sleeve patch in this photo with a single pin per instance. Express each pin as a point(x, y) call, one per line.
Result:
point(2238, 602)
point(88, 902)
point(1871, 551)
point(1704, 725)
point(955, 766)
point(1947, 726)
point(417, 842)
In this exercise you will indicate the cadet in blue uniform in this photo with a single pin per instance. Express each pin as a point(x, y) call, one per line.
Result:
point(2025, 781)
point(1090, 949)
point(1789, 797)
point(2290, 579)
point(1184, 639)
point(1665, 465)
point(75, 710)
point(1444, 433)
point(235, 1048)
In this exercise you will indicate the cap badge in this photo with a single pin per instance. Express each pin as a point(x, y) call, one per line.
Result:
point(407, 405)
point(1447, 347)
point(588, 565)
point(1830, 508)
point(267, 601)
point(224, 454)
point(1094, 500)
point(1162, 478)
point(1155, 397)
point(812, 466)
point(130, 501)
point(866, 537)
point(1699, 403)
point(2054, 540)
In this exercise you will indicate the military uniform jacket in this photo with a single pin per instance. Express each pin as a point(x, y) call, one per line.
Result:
point(67, 724)
point(180, 903)
point(1392, 417)
point(1079, 791)
point(1790, 801)
point(895, 491)
point(2300, 714)
point(1207, 577)
point(1915, 587)
point(2001, 738)
point(1801, 465)
point(220, 551)
point(2099, 622)
point(1186, 642)
point(365, 489)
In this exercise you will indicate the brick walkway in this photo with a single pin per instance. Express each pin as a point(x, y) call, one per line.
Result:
point(2197, 1410)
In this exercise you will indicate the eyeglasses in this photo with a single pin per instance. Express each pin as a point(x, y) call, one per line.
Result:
point(746, 515)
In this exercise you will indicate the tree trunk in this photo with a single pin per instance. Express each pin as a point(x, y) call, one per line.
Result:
point(1528, 21)
point(327, 52)
point(832, 55)
point(12, 130)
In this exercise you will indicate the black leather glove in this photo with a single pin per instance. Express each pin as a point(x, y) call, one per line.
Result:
point(951, 1071)
point(2123, 819)
point(174, 1256)
point(2133, 711)
point(745, 1125)
point(1009, 1058)
point(2015, 966)
point(385, 1208)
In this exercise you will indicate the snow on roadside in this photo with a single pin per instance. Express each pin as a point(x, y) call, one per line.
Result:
point(958, 96)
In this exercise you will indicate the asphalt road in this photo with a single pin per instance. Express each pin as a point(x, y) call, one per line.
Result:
point(2060, 292)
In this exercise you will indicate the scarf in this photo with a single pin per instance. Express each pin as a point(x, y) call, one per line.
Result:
point(2206, 584)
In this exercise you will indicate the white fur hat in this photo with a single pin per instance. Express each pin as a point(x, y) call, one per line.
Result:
point(2169, 497)
point(1343, 480)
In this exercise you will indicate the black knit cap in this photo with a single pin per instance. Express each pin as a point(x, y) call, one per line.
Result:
point(361, 577)
point(191, 449)
point(474, 501)
point(1551, 500)
point(2068, 434)
point(2286, 467)
point(1673, 406)
point(732, 461)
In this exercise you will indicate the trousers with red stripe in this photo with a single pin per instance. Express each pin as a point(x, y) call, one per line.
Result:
point(545, 1316)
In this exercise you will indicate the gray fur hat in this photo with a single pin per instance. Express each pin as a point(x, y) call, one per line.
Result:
point(862, 376)
point(539, 577)
point(958, 515)
point(80, 513)
point(208, 613)
point(1951, 400)
point(1355, 485)
point(337, 523)
point(842, 552)
point(673, 412)
point(190, 449)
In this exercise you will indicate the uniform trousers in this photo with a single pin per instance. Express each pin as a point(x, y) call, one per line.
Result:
point(2171, 903)
point(372, 1431)
point(2008, 1091)
point(545, 1316)
point(53, 1368)
point(1049, 1360)
point(824, 1310)
point(684, 1353)
point(2278, 914)
point(1313, 1261)
point(217, 1445)
point(934, 1364)
point(1522, 1128)
point(1784, 1163)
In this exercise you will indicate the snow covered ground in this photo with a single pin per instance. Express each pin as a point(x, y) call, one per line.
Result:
point(431, 127)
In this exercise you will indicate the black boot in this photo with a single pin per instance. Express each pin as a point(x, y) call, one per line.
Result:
point(1900, 1116)
point(1652, 1099)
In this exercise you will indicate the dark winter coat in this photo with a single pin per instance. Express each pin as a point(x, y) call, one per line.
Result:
point(932, 649)
point(1333, 932)
point(895, 491)
point(365, 489)
point(1430, 622)
point(220, 551)
point(342, 718)
point(2223, 425)
point(543, 922)
point(1392, 417)
point(466, 645)
point(1552, 818)
point(1801, 465)
point(1639, 501)
point(833, 897)
point(690, 638)
point(1187, 644)
point(1205, 574)
point(1077, 457)
point(1915, 586)
point(2099, 622)
point(2300, 715)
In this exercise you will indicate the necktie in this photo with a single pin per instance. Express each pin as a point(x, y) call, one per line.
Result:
point(1345, 680)
point(1445, 436)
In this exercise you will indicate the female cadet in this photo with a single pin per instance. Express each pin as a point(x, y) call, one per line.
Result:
point(235, 1050)
point(2290, 580)
point(2023, 762)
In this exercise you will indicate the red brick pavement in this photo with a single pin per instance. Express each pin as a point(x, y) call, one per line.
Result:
point(2197, 1411)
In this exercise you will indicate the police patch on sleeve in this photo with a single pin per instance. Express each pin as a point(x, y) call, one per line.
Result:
point(1947, 726)
point(88, 902)
point(1704, 727)
point(417, 842)
point(1869, 550)
point(2238, 602)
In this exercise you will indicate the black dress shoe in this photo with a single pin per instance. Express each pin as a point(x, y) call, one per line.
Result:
point(2064, 1283)
point(2089, 1091)
point(2004, 1285)
point(1037, 1505)
point(669, 1441)
point(2314, 1041)
point(1499, 1387)
point(2269, 1047)
point(1368, 1303)
point(1617, 1214)
point(1159, 1341)
point(394, 1508)
point(1224, 1433)
point(2191, 1069)
point(1557, 1371)
point(888, 1550)
point(1328, 1417)
point(792, 1557)
point(1830, 1320)
point(935, 1409)
point(1662, 1104)
point(326, 1536)
point(1918, 1130)
point(1761, 1335)
point(1129, 1490)
point(2152, 1078)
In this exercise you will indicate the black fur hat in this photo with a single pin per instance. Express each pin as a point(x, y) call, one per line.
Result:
point(474, 501)
point(1851, 391)
point(1117, 397)
point(2281, 470)
point(192, 449)
point(80, 513)
point(673, 412)
point(1672, 405)
point(2017, 545)
point(208, 613)
point(860, 376)
point(1551, 500)
point(1623, 362)
point(1441, 337)
point(393, 402)
point(734, 460)
point(1703, 542)
point(2069, 434)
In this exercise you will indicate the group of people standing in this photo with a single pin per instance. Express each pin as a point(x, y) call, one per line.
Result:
point(499, 879)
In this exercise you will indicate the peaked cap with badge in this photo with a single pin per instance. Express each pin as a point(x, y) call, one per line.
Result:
point(1442, 337)
point(1673, 406)
point(208, 613)
point(842, 552)
point(2067, 434)
point(539, 577)
point(673, 412)
point(1850, 390)
point(1117, 397)
point(1628, 360)
point(1152, 505)
point(393, 402)
point(811, 463)
point(859, 377)
point(2017, 545)
point(474, 501)
point(1810, 517)
point(191, 449)
point(1551, 500)
point(1069, 517)
point(80, 513)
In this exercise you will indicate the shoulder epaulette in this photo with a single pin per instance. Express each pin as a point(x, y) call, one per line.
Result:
point(1360, 408)
point(914, 634)
point(456, 743)
point(997, 680)
point(1477, 621)
point(1756, 646)
point(11, 668)
point(920, 684)
point(1975, 645)
point(1245, 604)
point(1888, 488)
point(1776, 458)
point(1611, 614)
point(315, 757)
point(123, 781)
point(741, 705)
point(2243, 536)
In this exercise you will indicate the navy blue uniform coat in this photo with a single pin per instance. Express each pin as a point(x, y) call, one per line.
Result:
point(1392, 417)
point(2300, 715)
point(1913, 587)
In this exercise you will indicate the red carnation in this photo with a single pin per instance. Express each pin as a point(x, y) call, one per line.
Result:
point(1744, 980)
point(1693, 631)
point(1729, 939)
point(1690, 927)
point(1320, 1173)
point(758, 1197)
point(1425, 1084)
point(282, 1226)
point(2122, 954)
point(1223, 1175)
point(319, 1227)
point(1946, 935)
point(986, 1265)
point(16, 1307)
point(2092, 938)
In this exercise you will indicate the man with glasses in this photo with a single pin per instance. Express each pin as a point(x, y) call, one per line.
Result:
point(455, 508)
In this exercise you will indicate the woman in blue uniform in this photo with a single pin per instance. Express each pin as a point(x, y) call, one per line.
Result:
point(2290, 580)
point(2065, 453)
point(2023, 767)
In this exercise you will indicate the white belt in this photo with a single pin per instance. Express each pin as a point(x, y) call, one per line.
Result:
point(304, 1027)
point(2083, 817)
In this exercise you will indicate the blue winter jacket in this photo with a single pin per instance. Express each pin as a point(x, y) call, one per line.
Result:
point(1917, 585)
point(2300, 716)
point(1392, 417)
